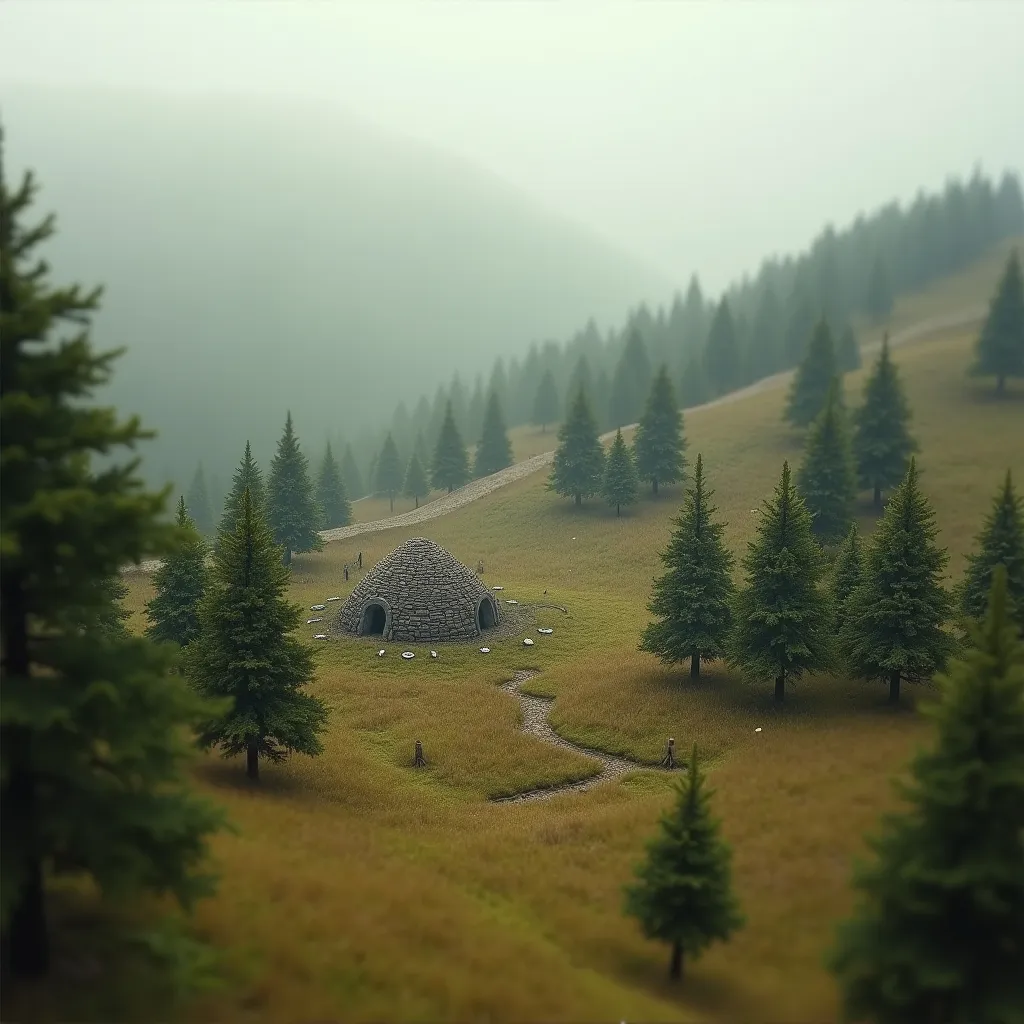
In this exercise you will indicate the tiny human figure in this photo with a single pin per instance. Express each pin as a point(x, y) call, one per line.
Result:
point(346, 572)
point(419, 760)
point(669, 760)
point(360, 559)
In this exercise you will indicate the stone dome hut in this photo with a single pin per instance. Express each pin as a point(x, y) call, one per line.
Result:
point(419, 593)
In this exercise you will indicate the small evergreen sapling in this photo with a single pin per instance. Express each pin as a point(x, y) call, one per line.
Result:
point(620, 482)
point(450, 468)
point(179, 584)
point(389, 471)
point(578, 469)
point(248, 475)
point(545, 402)
point(999, 351)
point(331, 495)
point(846, 575)
point(415, 486)
point(658, 443)
point(813, 380)
point(293, 513)
point(494, 451)
point(693, 600)
point(683, 894)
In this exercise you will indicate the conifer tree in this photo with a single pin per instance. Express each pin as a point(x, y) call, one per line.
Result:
point(848, 351)
point(722, 355)
point(450, 468)
point(545, 403)
point(658, 443)
point(683, 894)
point(827, 478)
point(620, 483)
point(350, 474)
point(693, 600)
point(246, 651)
point(894, 619)
point(882, 444)
point(389, 471)
point(330, 493)
point(782, 615)
point(420, 448)
point(936, 934)
point(999, 351)
point(93, 727)
point(1000, 542)
point(814, 375)
point(879, 298)
point(578, 468)
point(847, 571)
point(494, 451)
point(248, 475)
point(631, 381)
point(292, 511)
point(179, 584)
point(415, 485)
point(198, 503)
point(694, 389)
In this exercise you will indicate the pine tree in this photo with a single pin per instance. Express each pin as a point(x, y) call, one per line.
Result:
point(494, 451)
point(179, 584)
point(350, 474)
point(722, 355)
point(415, 485)
point(658, 443)
point(1000, 346)
point(389, 471)
point(936, 934)
point(420, 450)
point(631, 381)
point(693, 600)
point(292, 510)
point(579, 458)
point(93, 727)
point(694, 389)
point(198, 503)
point(683, 894)
point(248, 475)
point(1001, 542)
point(814, 376)
point(246, 651)
point(450, 468)
point(879, 298)
point(330, 493)
point(545, 404)
point(781, 616)
point(620, 483)
point(848, 351)
point(894, 619)
point(846, 575)
point(882, 443)
point(827, 478)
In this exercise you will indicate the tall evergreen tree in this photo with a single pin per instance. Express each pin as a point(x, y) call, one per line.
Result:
point(683, 894)
point(631, 381)
point(420, 449)
point(620, 483)
point(879, 298)
point(827, 478)
point(722, 354)
point(350, 474)
point(894, 619)
point(292, 511)
point(330, 493)
point(846, 575)
point(578, 468)
point(246, 651)
point(658, 442)
point(693, 600)
point(545, 403)
point(766, 356)
point(936, 935)
point(782, 614)
point(999, 351)
point(848, 351)
point(179, 584)
point(248, 475)
point(814, 376)
point(1000, 542)
point(882, 443)
point(198, 503)
point(694, 388)
point(415, 485)
point(450, 468)
point(581, 379)
point(494, 451)
point(93, 728)
point(389, 471)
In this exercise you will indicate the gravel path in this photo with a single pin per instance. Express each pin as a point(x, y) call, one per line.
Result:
point(480, 488)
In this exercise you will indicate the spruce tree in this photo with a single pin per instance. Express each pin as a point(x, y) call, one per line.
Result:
point(415, 485)
point(450, 468)
point(330, 493)
point(578, 469)
point(814, 375)
point(999, 351)
point(389, 471)
point(878, 300)
point(179, 584)
point(937, 931)
point(93, 727)
point(350, 474)
point(248, 475)
point(845, 577)
point(1000, 542)
point(620, 483)
point(882, 444)
point(722, 354)
point(894, 619)
point(545, 402)
point(693, 600)
point(848, 351)
point(782, 614)
point(292, 511)
point(198, 503)
point(658, 443)
point(246, 651)
point(827, 478)
point(631, 381)
point(683, 894)
point(494, 451)
point(420, 450)
point(694, 389)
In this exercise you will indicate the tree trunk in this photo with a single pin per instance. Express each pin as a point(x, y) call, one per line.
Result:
point(894, 688)
point(391, 498)
point(878, 498)
point(618, 513)
point(579, 499)
point(654, 485)
point(450, 488)
point(252, 761)
point(675, 965)
point(780, 687)
point(287, 556)
point(694, 666)
point(27, 935)
point(416, 498)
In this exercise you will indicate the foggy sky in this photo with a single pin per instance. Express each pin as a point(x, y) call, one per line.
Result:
point(695, 135)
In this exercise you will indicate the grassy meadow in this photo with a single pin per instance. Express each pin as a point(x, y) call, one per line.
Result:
point(357, 888)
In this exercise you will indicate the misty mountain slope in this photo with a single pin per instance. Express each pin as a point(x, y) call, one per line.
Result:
point(264, 256)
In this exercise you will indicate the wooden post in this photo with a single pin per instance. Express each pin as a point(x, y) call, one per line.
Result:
point(419, 761)
point(669, 760)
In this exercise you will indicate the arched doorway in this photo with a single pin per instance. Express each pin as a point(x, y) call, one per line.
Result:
point(375, 618)
point(486, 615)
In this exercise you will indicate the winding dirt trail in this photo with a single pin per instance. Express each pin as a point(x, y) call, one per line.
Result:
point(480, 488)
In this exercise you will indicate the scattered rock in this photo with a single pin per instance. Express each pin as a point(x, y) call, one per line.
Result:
point(334, 599)
point(433, 654)
point(407, 655)
point(527, 642)
point(320, 636)
point(544, 629)
point(380, 653)
point(317, 607)
point(309, 622)
point(485, 650)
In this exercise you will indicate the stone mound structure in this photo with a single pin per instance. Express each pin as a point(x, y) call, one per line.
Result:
point(419, 593)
